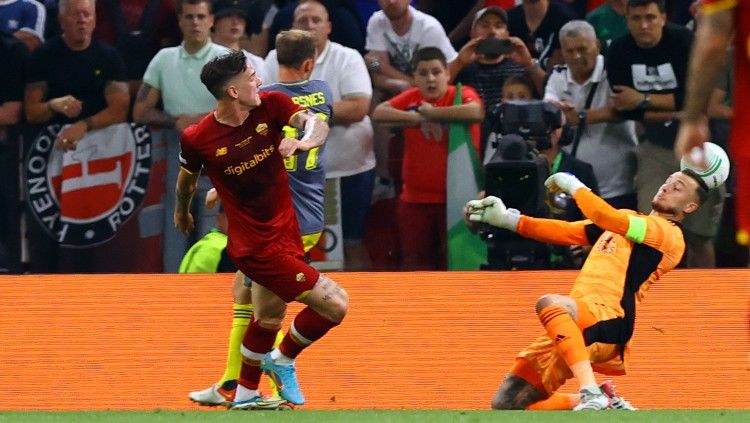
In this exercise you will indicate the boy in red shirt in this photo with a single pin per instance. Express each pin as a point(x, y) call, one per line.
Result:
point(426, 111)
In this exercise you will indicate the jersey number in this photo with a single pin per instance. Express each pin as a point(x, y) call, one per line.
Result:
point(290, 163)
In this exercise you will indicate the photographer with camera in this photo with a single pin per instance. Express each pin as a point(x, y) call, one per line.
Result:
point(492, 56)
point(528, 151)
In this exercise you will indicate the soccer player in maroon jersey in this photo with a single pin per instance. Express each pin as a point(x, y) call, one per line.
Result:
point(241, 148)
point(721, 22)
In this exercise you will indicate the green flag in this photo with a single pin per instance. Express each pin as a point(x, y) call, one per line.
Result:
point(466, 251)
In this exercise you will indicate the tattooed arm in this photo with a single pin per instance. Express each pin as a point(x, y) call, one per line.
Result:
point(184, 190)
point(145, 111)
point(40, 110)
point(118, 102)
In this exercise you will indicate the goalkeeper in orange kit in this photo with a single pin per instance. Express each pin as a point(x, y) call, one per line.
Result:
point(589, 329)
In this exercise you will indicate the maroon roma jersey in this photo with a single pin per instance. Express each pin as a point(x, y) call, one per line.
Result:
point(248, 172)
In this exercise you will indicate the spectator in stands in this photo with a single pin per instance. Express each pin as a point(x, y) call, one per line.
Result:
point(609, 22)
point(173, 78)
point(646, 70)
point(393, 35)
point(561, 161)
point(230, 25)
point(518, 87)
point(75, 80)
point(487, 73)
point(349, 149)
point(581, 89)
point(456, 17)
point(25, 20)
point(515, 87)
point(346, 27)
point(11, 108)
point(425, 112)
point(260, 28)
point(79, 82)
point(137, 29)
point(537, 23)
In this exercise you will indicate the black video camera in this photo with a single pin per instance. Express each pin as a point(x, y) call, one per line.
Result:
point(516, 174)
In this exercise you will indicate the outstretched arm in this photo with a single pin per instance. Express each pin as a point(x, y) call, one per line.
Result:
point(554, 231)
point(492, 211)
point(601, 213)
point(591, 205)
point(706, 61)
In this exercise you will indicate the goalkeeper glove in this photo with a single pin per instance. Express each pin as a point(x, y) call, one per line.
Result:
point(563, 182)
point(491, 210)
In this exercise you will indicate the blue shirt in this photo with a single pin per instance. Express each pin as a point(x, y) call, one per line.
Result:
point(23, 15)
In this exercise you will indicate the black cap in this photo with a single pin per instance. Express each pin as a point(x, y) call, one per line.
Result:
point(224, 8)
point(492, 10)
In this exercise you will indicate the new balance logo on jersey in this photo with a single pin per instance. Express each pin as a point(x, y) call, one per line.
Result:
point(221, 151)
point(240, 168)
point(559, 338)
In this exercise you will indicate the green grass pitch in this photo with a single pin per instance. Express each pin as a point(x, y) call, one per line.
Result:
point(380, 416)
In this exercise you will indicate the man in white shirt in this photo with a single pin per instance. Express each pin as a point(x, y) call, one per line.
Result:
point(394, 33)
point(349, 147)
point(581, 89)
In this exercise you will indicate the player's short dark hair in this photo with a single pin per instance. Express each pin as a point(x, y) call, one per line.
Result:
point(426, 54)
point(293, 47)
point(220, 70)
point(661, 4)
point(702, 190)
point(180, 3)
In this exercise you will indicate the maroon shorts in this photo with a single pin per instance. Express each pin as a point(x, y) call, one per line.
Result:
point(285, 274)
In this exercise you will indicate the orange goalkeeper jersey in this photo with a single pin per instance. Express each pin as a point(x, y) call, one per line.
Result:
point(630, 252)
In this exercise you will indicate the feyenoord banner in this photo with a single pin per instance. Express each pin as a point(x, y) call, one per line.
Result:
point(83, 197)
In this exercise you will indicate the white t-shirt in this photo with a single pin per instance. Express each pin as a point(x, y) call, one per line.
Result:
point(349, 149)
point(609, 147)
point(425, 31)
point(259, 65)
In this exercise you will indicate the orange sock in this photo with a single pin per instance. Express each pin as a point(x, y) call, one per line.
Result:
point(565, 333)
point(569, 342)
point(556, 401)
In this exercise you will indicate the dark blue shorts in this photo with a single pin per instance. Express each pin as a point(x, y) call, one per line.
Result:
point(356, 196)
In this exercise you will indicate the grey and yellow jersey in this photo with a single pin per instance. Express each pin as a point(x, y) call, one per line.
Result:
point(306, 174)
